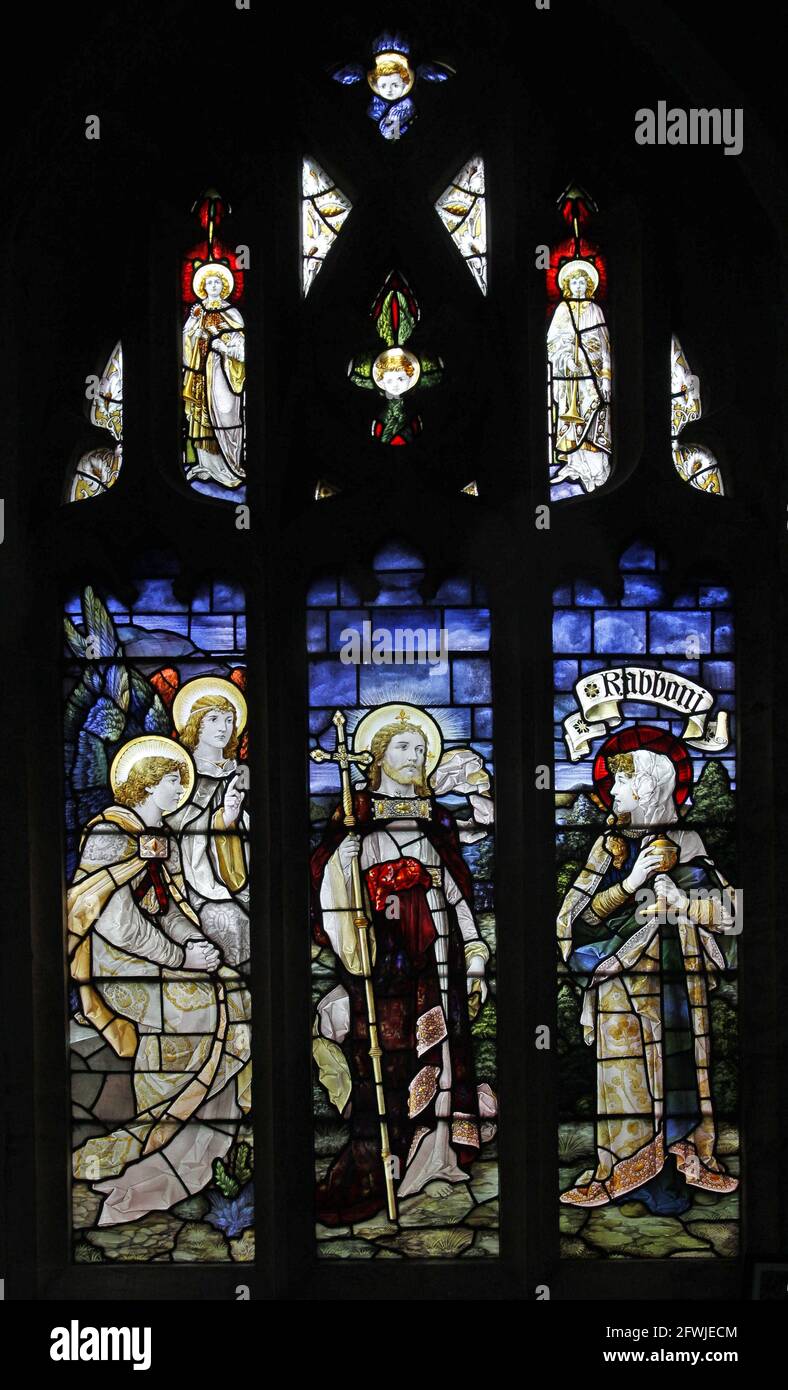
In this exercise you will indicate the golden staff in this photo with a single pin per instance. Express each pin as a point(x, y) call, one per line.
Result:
point(344, 758)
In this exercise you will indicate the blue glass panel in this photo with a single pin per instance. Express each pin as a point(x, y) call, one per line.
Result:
point(460, 723)
point(397, 556)
point(562, 596)
point(316, 632)
point(319, 719)
point(471, 681)
point(723, 632)
point(155, 595)
point(421, 685)
point(346, 621)
point(620, 632)
point(213, 633)
point(718, 675)
point(715, 596)
point(638, 557)
point(642, 591)
point(454, 591)
point(152, 622)
point(565, 674)
point(589, 595)
point(323, 777)
point(562, 706)
point(227, 598)
point(670, 632)
point(322, 592)
point(332, 683)
point(158, 642)
point(683, 668)
point(348, 594)
point(571, 632)
point(468, 629)
point(483, 723)
point(397, 587)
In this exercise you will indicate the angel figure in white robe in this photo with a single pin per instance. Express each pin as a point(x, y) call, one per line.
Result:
point(213, 380)
point(155, 989)
point(210, 715)
point(579, 381)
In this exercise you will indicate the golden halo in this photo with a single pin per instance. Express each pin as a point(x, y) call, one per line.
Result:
point(192, 691)
point(571, 268)
point(212, 268)
point(393, 57)
point(150, 746)
point(398, 713)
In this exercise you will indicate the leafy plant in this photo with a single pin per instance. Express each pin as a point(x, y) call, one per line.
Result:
point(234, 1172)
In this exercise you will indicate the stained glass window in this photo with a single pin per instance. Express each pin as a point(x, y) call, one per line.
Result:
point(579, 360)
point(648, 916)
point(324, 212)
point(396, 371)
point(157, 929)
point(694, 463)
point(214, 359)
point(391, 78)
point(403, 916)
point(98, 469)
point(462, 208)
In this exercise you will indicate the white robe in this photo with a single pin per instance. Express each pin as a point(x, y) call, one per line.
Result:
point(578, 349)
point(224, 914)
point(224, 402)
point(179, 1015)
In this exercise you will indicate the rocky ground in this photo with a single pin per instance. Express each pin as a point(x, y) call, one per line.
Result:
point(446, 1220)
point(180, 1235)
point(627, 1230)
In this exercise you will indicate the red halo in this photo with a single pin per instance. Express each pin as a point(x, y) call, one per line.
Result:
point(656, 741)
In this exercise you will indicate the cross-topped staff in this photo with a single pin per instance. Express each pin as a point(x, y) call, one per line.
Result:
point(344, 759)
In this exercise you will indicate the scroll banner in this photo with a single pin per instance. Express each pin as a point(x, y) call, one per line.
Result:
point(600, 693)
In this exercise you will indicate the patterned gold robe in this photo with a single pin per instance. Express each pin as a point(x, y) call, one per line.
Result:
point(649, 1022)
point(186, 1031)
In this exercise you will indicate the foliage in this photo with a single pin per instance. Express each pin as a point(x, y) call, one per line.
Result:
point(486, 1062)
point(577, 1060)
point(713, 801)
point(584, 815)
point(479, 858)
point(232, 1205)
point(232, 1173)
point(485, 1026)
point(567, 873)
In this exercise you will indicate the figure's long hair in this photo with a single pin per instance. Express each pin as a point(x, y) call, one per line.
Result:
point(148, 772)
point(590, 287)
point(379, 746)
point(190, 733)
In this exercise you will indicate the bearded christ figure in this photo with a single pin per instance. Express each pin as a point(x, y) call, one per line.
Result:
point(427, 958)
